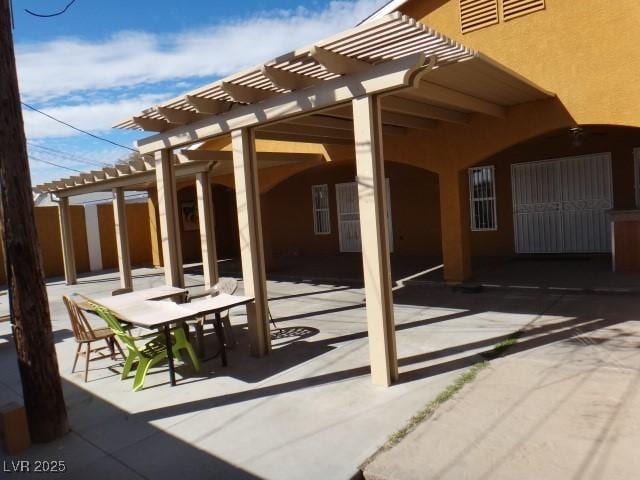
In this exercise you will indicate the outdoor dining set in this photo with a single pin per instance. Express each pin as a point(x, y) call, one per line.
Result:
point(165, 314)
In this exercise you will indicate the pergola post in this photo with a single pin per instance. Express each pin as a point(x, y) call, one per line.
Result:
point(454, 215)
point(375, 243)
point(122, 238)
point(168, 216)
point(245, 170)
point(207, 231)
point(66, 236)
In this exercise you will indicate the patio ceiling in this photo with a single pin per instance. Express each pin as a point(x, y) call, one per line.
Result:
point(304, 96)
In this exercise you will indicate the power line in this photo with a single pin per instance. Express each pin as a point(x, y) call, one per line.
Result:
point(77, 129)
point(66, 155)
point(31, 157)
point(49, 15)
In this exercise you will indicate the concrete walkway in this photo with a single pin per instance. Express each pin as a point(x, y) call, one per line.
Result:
point(564, 403)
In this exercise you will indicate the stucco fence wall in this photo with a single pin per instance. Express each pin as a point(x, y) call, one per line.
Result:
point(48, 226)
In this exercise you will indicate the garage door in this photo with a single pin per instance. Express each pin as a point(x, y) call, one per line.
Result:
point(560, 205)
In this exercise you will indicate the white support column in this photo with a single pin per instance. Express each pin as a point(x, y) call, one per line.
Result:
point(169, 221)
point(245, 170)
point(66, 236)
point(207, 229)
point(122, 238)
point(367, 128)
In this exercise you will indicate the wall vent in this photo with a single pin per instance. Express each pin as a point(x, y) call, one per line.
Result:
point(516, 8)
point(475, 14)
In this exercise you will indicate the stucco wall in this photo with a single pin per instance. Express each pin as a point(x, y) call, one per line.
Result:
point(138, 230)
point(287, 211)
point(619, 141)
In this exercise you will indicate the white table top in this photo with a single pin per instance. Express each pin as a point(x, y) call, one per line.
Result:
point(137, 296)
point(153, 314)
point(218, 303)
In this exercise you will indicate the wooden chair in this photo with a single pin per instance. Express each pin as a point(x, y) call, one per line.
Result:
point(85, 334)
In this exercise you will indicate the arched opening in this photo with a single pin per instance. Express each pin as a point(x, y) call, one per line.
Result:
point(291, 218)
point(551, 198)
point(226, 223)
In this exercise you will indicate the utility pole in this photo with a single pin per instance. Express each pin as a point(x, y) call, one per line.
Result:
point(30, 319)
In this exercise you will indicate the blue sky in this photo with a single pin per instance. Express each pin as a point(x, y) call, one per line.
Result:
point(103, 61)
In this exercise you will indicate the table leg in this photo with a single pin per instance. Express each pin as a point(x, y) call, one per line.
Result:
point(220, 334)
point(167, 339)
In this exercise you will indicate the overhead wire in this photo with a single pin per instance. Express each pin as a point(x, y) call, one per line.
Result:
point(30, 107)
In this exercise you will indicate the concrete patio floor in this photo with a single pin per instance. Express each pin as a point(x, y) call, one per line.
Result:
point(566, 409)
point(308, 410)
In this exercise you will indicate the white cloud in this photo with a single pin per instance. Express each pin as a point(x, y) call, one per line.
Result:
point(97, 117)
point(64, 67)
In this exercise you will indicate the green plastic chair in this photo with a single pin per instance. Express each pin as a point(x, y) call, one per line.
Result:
point(153, 351)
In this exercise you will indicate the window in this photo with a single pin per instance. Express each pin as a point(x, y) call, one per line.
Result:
point(321, 218)
point(482, 195)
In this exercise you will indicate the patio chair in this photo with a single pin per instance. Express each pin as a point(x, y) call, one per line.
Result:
point(151, 353)
point(85, 334)
point(225, 285)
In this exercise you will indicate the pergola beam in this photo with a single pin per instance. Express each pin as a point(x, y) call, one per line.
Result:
point(336, 63)
point(288, 80)
point(244, 94)
point(328, 121)
point(389, 119)
point(291, 137)
point(424, 110)
point(178, 117)
point(131, 180)
point(187, 156)
point(384, 77)
point(436, 93)
point(208, 106)
point(151, 124)
point(296, 129)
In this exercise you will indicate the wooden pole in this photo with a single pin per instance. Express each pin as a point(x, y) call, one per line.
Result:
point(254, 278)
point(66, 237)
point(372, 201)
point(37, 362)
point(122, 238)
point(207, 230)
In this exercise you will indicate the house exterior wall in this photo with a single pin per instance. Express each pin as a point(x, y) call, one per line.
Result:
point(619, 141)
point(288, 211)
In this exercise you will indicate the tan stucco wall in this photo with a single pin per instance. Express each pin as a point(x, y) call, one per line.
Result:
point(48, 227)
point(138, 230)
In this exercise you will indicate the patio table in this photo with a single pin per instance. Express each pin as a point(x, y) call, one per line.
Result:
point(153, 293)
point(216, 305)
point(151, 314)
point(159, 315)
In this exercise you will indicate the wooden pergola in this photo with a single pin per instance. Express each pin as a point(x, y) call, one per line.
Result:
point(385, 77)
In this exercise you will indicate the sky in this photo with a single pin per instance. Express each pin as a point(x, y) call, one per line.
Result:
point(105, 60)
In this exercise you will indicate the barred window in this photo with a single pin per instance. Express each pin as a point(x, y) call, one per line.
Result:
point(482, 196)
point(321, 218)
